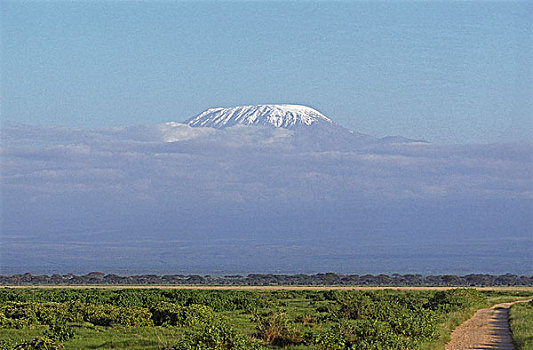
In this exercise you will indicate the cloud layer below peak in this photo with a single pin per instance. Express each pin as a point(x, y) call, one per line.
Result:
point(174, 182)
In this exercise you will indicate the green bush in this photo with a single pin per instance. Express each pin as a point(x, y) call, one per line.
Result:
point(99, 315)
point(218, 300)
point(378, 320)
point(7, 344)
point(330, 340)
point(59, 332)
point(106, 315)
point(39, 343)
point(354, 307)
point(22, 314)
point(275, 328)
point(374, 334)
point(167, 314)
point(19, 315)
point(416, 324)
point(215, 337)
point(132, 316)
point(25, 312)
point(362, 335)
point(455, 299)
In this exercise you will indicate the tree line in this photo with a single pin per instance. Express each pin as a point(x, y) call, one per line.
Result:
point(330, 278)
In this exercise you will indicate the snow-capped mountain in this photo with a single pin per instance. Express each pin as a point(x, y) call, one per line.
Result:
point(280, 116)
point(311, 129)
point(295, 127)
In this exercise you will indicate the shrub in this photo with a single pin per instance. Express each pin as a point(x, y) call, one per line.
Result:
point(198, 315)
point(20, 311)
point(357, 306)
point(305, 319)
point(106, 315)
point(7, 344)
point(417, 324)
point(330, 341)
point(99, 315)
point(132, 316)
point(215, 337)
point(455, 299)
point(362, 335)
point(59, 332)
point(379, 320)
point(39, 343)
point(168, 314)
point(374, 334)
point(274, 328)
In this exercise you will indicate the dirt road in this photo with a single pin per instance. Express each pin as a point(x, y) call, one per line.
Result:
point(487, 329)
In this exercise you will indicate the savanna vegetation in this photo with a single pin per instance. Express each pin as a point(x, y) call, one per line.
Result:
point(521, 324)
point(235, 319)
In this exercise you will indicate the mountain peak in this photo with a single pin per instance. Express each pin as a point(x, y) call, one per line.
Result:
point(277, 115)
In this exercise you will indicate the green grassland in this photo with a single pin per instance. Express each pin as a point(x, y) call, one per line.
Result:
point(521, 323)
point(238, 319)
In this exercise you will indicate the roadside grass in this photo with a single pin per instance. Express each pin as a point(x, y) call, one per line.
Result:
point(497, 297)
point(521, 324)
point(447, 325)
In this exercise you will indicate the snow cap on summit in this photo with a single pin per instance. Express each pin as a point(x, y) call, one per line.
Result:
point(277, 115)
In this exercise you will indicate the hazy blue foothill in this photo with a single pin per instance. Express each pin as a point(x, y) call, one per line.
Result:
point(248, 198)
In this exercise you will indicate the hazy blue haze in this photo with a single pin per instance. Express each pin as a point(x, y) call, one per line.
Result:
point(444, 71)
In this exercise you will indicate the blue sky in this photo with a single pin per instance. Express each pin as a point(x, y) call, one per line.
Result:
point(448, 72)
